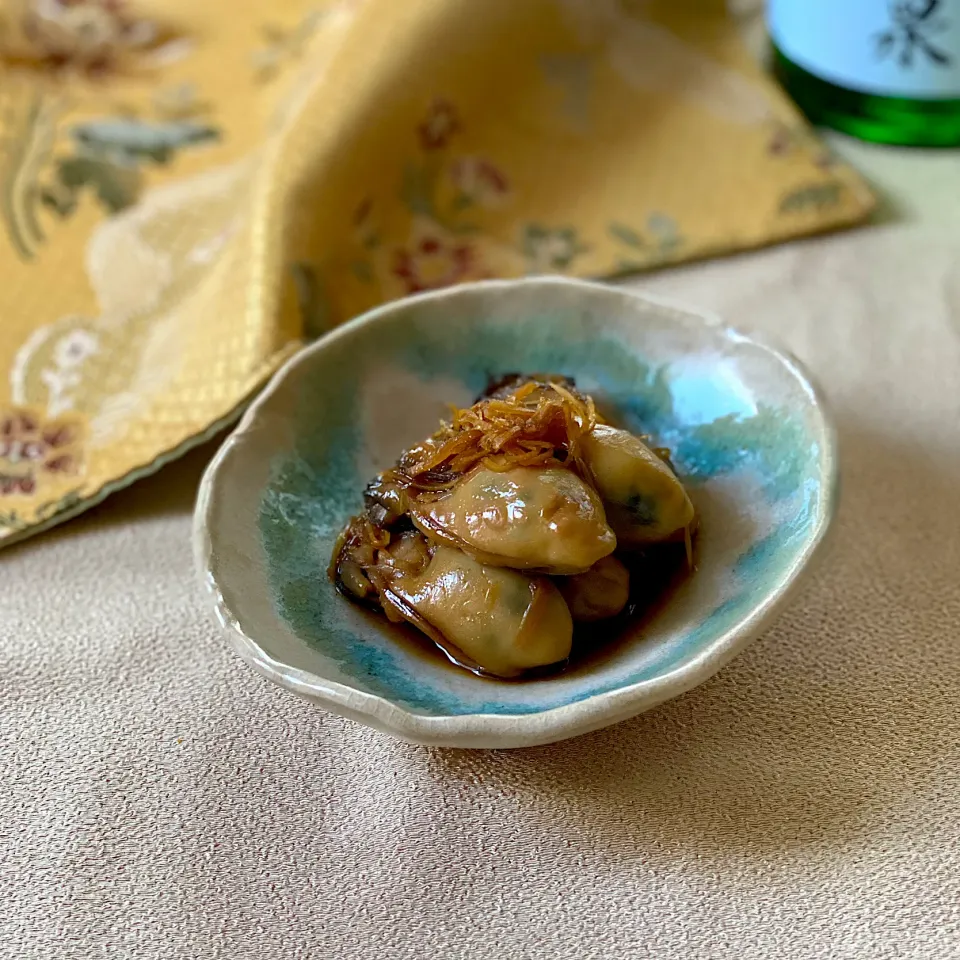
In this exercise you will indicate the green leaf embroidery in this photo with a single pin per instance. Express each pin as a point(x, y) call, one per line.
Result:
point(105, 160)
point(662, 242)
point(61, 202)
point(13, 521)
point(53, 507)
point(116, 186)
point(283, 44)
point(669, 245)
point(555, 247)
point(461, 202)
point(817, 196)
point(362, 271)
point(315, 310)
point(28, 140)
point(416, 190)
point(627, 235)
point(128, 140)
point(666, 232)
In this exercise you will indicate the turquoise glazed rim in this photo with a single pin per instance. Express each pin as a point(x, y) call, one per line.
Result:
point(750, 436)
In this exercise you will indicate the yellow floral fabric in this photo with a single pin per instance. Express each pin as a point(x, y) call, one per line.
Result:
point(189, 190)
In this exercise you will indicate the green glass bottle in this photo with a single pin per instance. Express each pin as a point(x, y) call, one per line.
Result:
point(882, 70)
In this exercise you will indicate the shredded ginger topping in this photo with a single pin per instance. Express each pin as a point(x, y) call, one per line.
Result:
point(539, 425)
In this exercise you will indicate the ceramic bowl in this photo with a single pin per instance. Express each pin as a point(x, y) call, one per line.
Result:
point(749, 434)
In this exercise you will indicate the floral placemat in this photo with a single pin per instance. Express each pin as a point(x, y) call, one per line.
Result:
point(188, 190)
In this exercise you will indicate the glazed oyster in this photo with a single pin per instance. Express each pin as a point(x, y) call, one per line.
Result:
point(517, 521)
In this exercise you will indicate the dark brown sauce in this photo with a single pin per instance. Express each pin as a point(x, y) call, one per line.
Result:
point(655, 575)
point(415, 643)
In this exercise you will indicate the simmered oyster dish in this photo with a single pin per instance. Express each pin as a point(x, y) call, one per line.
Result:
point(515, 528)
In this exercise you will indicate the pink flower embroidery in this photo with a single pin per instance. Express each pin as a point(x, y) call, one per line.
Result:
point(479, 181)
point(31, 448)
point(440, 124)
point(780, 142)
point(432, 260)
point(10, 485)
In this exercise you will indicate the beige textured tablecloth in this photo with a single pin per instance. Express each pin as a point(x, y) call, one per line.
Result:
point(159, 800)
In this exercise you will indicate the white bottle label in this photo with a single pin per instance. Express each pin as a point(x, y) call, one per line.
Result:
point(895, 48)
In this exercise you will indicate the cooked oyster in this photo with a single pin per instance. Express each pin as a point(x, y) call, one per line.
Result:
point(504, 621)
point(547, 520)
point(462, 536)
point(644, 500)
point(599, 593)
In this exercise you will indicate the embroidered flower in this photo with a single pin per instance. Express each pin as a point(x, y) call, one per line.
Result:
point(74, 348)
point(87, 34)
point(32, 448)
point(432, 259)
point(479, 181)
point(63, 373)
point(781, 141)
point(785, 141)
point(666, 233)
point(550, 249)
point(440, 124)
